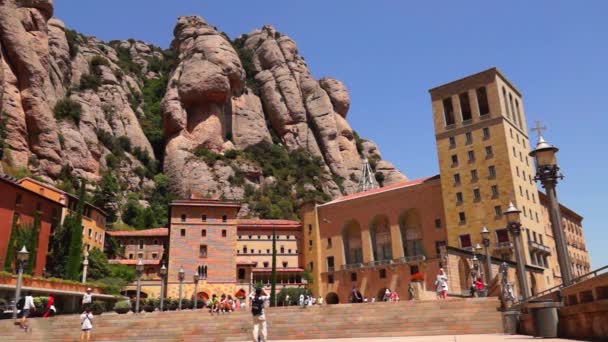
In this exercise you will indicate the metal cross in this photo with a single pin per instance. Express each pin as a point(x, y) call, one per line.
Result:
point(538, 128)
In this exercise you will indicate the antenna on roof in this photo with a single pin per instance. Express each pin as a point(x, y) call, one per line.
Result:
point(367, 180)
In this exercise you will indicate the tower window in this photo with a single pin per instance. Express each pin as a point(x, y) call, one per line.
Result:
point(458, 197)
point(437, 223)
point(474, 177)
point(224, 218)
point(183, 217)
point(456, 178)
point(204, 218)
point(482, 101)
point(452, 142)
point(492, 171)
point(521, 123)
point(465, 241)
point(182, 232)
point(476, 195)
point(494, 191)
point(203, 232)
point(486, 133)
point(448, 111)
point(224, 233)
point(382, 273)
point(465, 106)
point(513, 110)
point(514, 152)
point(504, 96)
point(329, 243)
point(454, 160)
point(489, 152)
point(265, 264)
point(462, 217)
point(497, 211)
point(284, 264)
point(471, 156)
point(469, 138)
point(521, 191)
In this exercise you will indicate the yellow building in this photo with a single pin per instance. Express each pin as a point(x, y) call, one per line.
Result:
point(93, 219)
point(482, 145)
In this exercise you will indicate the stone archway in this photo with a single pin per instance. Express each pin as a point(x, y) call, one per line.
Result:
point(464, 273)
point(352, 243)
point(332, 298)
point(380, 233)
point(380, 294)
point(410, 226)
point(202, 295)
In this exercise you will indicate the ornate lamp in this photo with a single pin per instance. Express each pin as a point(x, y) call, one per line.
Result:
point(163, 274)
point(139, 270)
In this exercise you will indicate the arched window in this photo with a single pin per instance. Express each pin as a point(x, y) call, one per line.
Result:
point(411, 233)
point(381, 238)
point(351, 239)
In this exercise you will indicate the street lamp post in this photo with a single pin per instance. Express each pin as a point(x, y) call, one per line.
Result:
point(547, 172)
point(485, 238)
point(180, 276)
point(85, 266)
point(514, 226)
point(22, 256)
point(196, 278)
point(163, 274)
point(478, 249)
point(139, 270)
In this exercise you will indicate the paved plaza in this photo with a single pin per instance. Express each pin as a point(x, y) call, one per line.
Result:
point(444, 338)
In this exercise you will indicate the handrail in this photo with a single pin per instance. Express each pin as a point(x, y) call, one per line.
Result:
point(560, 287)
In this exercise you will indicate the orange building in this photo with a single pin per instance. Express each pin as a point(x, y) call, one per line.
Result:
point(93, 219)
point(375, 239)
point(21, 203)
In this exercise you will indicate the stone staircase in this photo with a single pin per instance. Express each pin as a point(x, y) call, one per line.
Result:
point(449, 317)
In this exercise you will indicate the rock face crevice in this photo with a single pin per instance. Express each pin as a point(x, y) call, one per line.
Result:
point(215, 95)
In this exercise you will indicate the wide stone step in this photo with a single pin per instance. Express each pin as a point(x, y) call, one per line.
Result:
point(328, 321)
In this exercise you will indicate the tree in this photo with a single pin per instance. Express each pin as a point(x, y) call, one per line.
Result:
point(273, 275)
point(33, 243)
point(73, 224)
point(98, 265)
point(105, 195)
point(10, 248)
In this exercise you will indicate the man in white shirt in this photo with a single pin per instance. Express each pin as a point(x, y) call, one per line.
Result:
point(28, 306)
point(87, 298)
point(259, 319)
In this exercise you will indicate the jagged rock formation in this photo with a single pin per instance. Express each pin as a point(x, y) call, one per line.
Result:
point(74, 106)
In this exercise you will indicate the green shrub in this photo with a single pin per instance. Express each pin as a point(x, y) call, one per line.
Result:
point(294, 295)
point(125, 143)
point(122, 306)
point(68, 109)
point(232, 154)
point(208, 156)
point(379, 178)
point(73, 41)
point(98, 307)
point(89, 81)
point(98, 60)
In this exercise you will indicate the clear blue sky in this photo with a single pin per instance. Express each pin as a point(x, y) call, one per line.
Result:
point(389, 53)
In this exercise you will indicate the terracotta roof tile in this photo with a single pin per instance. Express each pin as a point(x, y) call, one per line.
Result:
point(266, 223)
point(144, 232)
point(395, 186)
point(133, 262)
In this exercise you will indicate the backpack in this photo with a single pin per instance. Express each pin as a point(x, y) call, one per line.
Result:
point(21, 303)
point(257, 306)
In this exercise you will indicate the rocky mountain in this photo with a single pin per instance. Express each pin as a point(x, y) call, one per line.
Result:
point(209, 116)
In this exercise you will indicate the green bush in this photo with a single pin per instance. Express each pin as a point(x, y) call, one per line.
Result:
point(73, 41)
point(68, 109)
point(98, 307)
point(294, 295)
point(122, 306)
point(90, 81)
point(208, 156)
point(98, 60)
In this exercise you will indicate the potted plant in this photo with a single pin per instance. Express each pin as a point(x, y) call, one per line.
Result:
point(122, 307)
point(417, 281)
point(98, 307)
point(150, 304)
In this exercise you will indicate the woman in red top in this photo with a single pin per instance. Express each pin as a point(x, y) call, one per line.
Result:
point(48, 312)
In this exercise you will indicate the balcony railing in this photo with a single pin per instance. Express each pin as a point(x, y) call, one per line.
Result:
point(379, 262)
point(504, 245)
point(352, 266)
point(539, 248)
point(409, 259)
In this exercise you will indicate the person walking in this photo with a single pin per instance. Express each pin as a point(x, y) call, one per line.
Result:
point(28, 308)
point(442, 283)
point(87, 298)
point(50, 308)
point(259, 319)
point(86, 324)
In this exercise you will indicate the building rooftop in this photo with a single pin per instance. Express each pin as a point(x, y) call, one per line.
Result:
point(133, 262)
point(200, 202)
point(15, 182)
point(544, 200)
point(396, 186)
point(487, 72)
point(144, 232)
point(67, 194)
point(257, 223)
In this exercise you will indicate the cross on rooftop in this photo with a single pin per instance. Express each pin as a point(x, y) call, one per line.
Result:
point(538, 128)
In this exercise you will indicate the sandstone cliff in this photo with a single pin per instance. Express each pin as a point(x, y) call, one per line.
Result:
point(220, 117)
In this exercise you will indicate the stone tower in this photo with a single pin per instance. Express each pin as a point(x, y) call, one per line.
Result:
point(482, 145)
